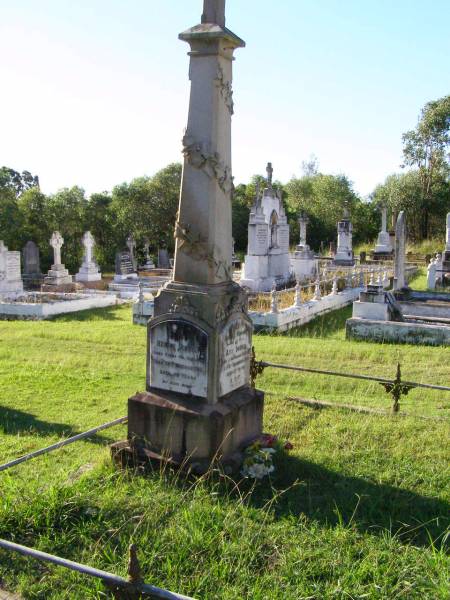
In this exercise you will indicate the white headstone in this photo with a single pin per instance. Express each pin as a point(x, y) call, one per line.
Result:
point(58, 274)
point(267, 260)
point(344, 252)
point(431, 275)
point(89, 270)
point(384, 245)
point(10, 278)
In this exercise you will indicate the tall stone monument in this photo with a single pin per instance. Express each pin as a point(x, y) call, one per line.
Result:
point(383, 249)
point(58, 274)
point(400, 253)
point(304, 264)
point(446, 254)
point(344, 253)
point(10, 278)
point(31, 263)
point(199, 406)
point(267, 260)
point(89, 270)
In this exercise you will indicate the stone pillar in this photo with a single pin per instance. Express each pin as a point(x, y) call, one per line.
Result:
point(199, 405)
point(303, 222)
point(400, 251)
point(89, 270)
point(447, 244)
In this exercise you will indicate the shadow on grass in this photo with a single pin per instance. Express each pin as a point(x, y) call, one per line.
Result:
point(331, 498)
point(13, 422)
point(109, 313)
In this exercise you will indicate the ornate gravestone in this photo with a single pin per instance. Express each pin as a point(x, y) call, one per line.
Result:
point(124, 267)
point(89, 270)
point(10, 279)
point(267, 259)
point(58, 274)
point(344, 252)
point(199, 406)
point(31, 264)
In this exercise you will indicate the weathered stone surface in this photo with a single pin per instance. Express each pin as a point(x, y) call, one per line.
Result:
point(400, 252)
point(31, 261)
point(192, 431)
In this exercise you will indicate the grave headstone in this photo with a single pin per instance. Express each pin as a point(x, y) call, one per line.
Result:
point(446, 253)
point(267, 260)
point(149, 264)
point(383, 248)
point(58, 274)
point(163, 259)
point(124, 267)
point(131, 245)
point(344, 253)
point(89, 270)
point(10, 278)
point(31, 262)
point(303, 263)
point(199, 406)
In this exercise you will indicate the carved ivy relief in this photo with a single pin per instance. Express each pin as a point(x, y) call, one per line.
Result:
point(196, 246)
point(226, 89)
point(199, 156)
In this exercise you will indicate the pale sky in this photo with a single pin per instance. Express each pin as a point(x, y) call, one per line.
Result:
point(95, 92)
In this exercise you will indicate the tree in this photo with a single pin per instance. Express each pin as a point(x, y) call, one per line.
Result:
point(426, 148)
point(18, 182)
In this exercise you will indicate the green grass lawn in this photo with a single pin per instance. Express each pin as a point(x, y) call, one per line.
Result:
point(359, 509)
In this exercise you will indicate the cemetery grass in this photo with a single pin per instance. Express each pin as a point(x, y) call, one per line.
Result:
point(357, 510)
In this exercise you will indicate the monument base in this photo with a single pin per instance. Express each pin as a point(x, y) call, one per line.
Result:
point(88, 272)
point(189, 433)
point(58, 275)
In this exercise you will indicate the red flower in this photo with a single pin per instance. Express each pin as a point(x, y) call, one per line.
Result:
point(288, 446)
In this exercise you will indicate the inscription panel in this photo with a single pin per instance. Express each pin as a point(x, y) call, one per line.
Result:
point(179, 358)
point(13, 266)
point(283, 237)
point(261, 238)
point(234, 359)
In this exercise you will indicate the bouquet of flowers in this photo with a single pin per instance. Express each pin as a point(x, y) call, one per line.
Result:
point(258, 462)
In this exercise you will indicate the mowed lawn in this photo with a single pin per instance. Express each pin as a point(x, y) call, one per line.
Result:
point(359, 508)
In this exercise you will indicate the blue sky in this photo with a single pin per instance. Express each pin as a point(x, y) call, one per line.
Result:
point(95, 92)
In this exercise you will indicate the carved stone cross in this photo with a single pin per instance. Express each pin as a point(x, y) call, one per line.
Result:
point(269, 170)
point(56, 243)
point(88, 243)
point(214, 12)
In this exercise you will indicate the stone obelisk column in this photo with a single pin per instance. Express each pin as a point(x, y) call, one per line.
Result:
point(199, 404)
point(400, 253)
